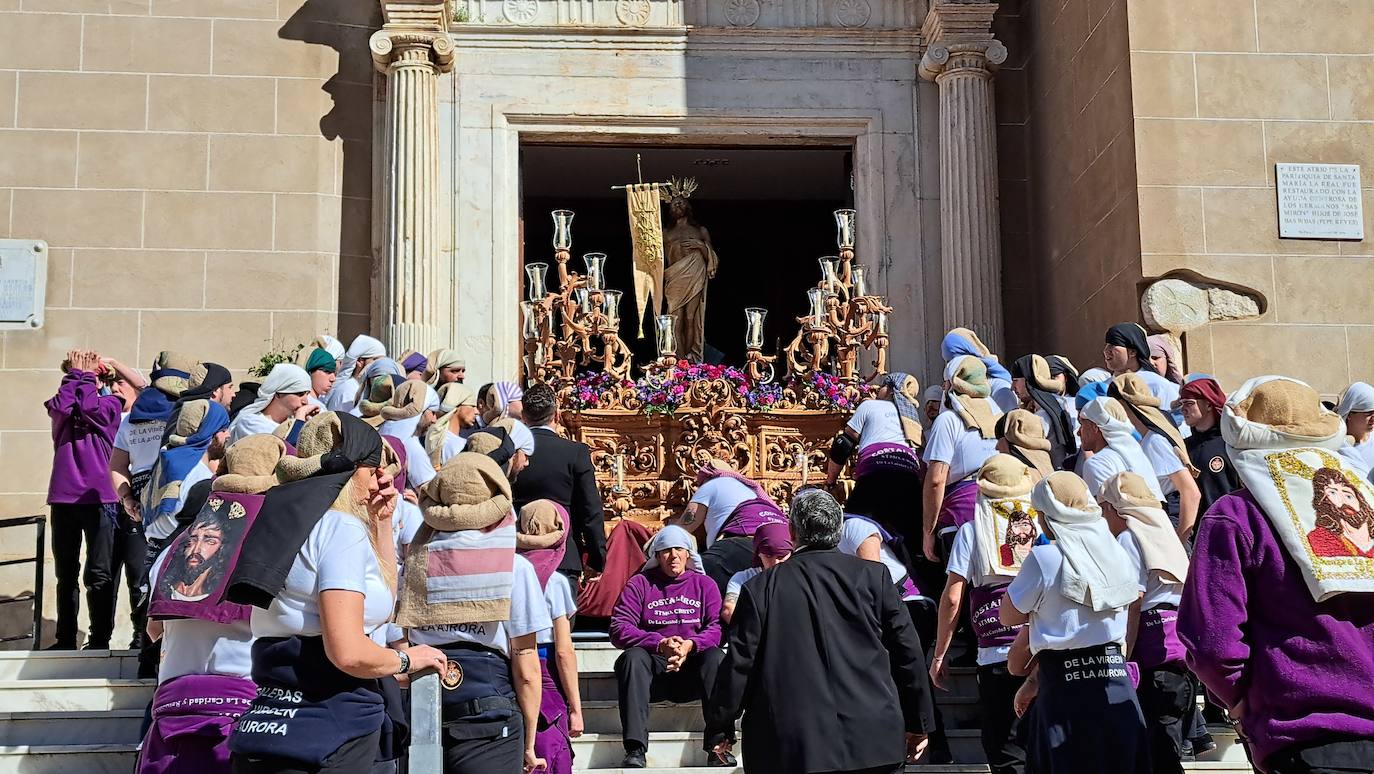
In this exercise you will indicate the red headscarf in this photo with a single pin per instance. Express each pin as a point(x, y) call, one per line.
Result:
point(1206, 390)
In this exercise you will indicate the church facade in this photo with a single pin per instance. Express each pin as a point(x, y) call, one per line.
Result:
point(228, 177)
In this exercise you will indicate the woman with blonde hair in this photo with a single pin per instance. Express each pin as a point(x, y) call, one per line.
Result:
point(319, 565)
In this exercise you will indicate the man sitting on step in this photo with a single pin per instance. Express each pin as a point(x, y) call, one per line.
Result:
point(668, 622)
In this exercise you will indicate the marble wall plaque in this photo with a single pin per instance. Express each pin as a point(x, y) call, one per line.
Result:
point(23, 282)
point(1320, 201)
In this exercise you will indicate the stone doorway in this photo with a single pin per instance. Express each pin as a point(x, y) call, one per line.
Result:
point(768, 211)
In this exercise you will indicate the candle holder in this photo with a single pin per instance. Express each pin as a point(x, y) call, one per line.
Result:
point(596, 270)
point(758, 366)
point(665, 335)
point(537, 274)
point(610, 308)
point(858, 281)
point(815, 304)
point(620, 487)
point(844, 229)
point(562, 230)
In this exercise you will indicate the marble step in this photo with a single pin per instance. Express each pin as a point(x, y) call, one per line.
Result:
point(59, 728)
point(68, 664)
point(78, 695)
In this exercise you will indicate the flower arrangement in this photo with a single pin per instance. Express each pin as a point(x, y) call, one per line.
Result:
point(665, 392)
point(590, 386)
point(831, 392)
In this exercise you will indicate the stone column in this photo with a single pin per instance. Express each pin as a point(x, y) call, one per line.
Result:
point(412, 49)
point(961, 57)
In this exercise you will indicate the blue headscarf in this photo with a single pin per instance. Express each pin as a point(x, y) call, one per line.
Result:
point(181, 454)
point(1090, 391)
point(956, 345)
point(153, 404)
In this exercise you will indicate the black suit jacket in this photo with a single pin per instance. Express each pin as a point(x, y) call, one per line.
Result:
point(561, 470)
point(826, 666)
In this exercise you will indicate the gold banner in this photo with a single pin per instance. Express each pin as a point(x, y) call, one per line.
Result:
point(646, 233)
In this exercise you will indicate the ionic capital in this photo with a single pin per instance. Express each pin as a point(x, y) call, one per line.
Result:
point(958, 38)
point(398, 48)
point(980, 59)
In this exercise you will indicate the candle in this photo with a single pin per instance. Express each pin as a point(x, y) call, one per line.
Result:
point(620, 472)
point(859, 278)
point(562, 229)
point(531, 321)
point(753, 331)
point(815, 298)
point(536, 272)
point(610, 306)
point(844, 229)
point(830, 266)
point(805, 465)
point(584, 300)
point(596, 270)
point(880, 322)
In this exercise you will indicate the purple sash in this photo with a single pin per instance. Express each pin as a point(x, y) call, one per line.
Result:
point(749, 515)
point(551, 741)
point(984, 605)
point(192, 718)
point(886, 457)
point(199, 562)
point(959, 505)
point(1156, 639)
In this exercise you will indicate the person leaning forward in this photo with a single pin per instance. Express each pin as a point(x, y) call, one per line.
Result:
point(859, 700)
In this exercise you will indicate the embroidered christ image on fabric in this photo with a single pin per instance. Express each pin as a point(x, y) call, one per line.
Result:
point(1344, 519)
point(1020, 536)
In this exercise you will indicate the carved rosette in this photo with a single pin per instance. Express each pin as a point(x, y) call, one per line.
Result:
point(520, 11)
point(742, 13)
point(852, 13)
point(633, 13)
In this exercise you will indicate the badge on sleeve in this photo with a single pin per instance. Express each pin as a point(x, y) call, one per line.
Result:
point(452, 676)
point(1216, 464)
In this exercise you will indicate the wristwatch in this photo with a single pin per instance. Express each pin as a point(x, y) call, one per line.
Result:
point(405, 662)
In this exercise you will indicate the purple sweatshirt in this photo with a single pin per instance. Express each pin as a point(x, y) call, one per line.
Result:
point(1304, 669)
point(84, 424)
point(654, 607)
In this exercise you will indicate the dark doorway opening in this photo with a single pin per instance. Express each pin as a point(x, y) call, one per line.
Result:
point(769, 213)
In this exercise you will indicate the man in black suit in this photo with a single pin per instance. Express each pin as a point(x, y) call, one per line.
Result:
point(824, 660)
point(561, 470)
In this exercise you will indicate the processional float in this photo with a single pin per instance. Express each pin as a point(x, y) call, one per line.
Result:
point(650, 434)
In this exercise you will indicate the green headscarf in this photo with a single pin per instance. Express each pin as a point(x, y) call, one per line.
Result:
point(320, 360)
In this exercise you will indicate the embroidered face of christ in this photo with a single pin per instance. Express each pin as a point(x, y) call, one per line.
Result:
point(1020, 533)
point(1341, 511)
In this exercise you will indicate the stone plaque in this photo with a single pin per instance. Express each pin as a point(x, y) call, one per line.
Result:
point(1320, 201)
point(23, 282)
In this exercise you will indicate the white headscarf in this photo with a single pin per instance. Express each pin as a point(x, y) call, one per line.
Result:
point(521, 436)
point(1094, 375)
point(444, 358)
point(363, 346)
point(1120, 435)
point(672, 536)
point(1097, 572)
point(284, 378)
point(331, 345)
point(1357, 397)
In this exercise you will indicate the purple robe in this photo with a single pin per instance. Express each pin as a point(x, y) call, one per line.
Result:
point(192, 718)
point(552, 742)
point(1304, 669)
point(957, 509)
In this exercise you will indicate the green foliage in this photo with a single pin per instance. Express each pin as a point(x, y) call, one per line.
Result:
point(460, 15)
point(273, 357)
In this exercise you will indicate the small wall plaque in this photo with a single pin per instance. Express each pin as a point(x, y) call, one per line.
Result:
point(23, 283)
point(1320, 201)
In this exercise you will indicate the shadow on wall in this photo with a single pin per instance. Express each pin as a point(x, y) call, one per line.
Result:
point(345, 26)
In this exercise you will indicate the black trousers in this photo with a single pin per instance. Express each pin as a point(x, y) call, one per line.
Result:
point(130, 555)
point(643, 677)
point(493, 755)
point(997, 715)
point(1336, 755)
point(727, 556)
point(150, 654)
point(1167, 701)
point(96, 525)
point(352, 757)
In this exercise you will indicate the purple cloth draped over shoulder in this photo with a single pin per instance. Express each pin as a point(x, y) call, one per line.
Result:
point(886, 457)
point(961, 500)
point(192, 718)
point(552, 741)
point(749, 515)
point(233, 514)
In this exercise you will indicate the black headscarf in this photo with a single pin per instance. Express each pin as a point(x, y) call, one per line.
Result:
point(1132, 337)
point(291, 510)
point(1061, 432)
point(506, 448)
point(247, 394)
point(216, 376)
point(1061, 367)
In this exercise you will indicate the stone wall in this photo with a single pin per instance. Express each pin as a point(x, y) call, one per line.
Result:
point(1071, 241)
point(196, 166)
point(1222, 91)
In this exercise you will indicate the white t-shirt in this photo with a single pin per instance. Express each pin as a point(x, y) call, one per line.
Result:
point(737, 581)
point(876, 421)
point(1160, 452)
point(453, 446)
point(166, 524)
point(720, 495)
point(856, 531)
point(342, 398)
point(142, 441)
point(1098, 469)
point(559, 597)
point(191, 646)
point(1157, 591)
point(1056, 623)
point(964, 450)
point(251, 423)
point(961, 564)
point(1003, 395)
point(529, 614)
point(405, 522)
point(1360, 455)
point(419, 470)
point(1161, 388)
point(336, 556)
